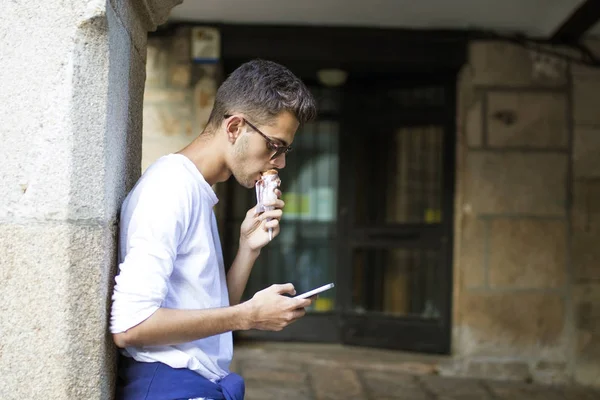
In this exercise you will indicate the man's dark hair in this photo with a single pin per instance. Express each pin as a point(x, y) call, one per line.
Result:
point(263, 89)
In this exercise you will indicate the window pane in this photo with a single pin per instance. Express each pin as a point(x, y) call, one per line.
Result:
point(398, 282)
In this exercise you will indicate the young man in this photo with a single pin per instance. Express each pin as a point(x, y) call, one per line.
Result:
point(174, 308)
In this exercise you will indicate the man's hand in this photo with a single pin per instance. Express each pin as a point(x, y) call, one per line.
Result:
point(254, 233)
point(269, 310)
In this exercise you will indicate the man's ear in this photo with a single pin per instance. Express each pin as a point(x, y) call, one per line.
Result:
point(233, 128)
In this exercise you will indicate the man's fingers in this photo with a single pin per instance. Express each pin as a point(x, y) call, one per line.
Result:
point(278, 204)
point(284, 288)
point(303, 303)
point(271, 214)
point(271, 224)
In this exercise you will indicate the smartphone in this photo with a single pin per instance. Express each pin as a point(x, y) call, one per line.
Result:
point(315, 291)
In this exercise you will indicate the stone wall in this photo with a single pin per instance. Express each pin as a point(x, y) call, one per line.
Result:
point(179, 95)
point(526, 219)
point(72, 86)
point(585, 220)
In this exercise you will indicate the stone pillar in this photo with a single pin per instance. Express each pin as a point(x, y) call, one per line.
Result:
point(72, 81)
point(512, 309)
point(585, 218)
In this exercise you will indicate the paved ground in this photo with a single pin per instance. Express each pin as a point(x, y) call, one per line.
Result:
point(327, 372)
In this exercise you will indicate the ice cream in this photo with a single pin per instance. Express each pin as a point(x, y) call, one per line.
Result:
point(265, 192)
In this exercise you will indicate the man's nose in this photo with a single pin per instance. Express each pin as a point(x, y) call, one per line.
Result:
point(279, 161)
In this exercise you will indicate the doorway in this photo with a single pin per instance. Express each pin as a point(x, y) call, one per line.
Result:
point(369, 195)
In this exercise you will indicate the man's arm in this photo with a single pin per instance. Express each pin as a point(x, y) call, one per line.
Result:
point(254, 235)
point(267, 310)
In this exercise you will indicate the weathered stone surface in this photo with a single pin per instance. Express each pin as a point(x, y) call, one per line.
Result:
point(453, 387)
point(335, 383)
point(527, 253)
point(585, 100)
point(263, 392)
point(473, 249)
point(180, 75)
point(156, 147)
point(55, 280)
point(378, 384)
point(486, 368)
point(510, 391)
point(533, 184)
point(511, 324)
point(551, 373)
point(501, 63)
point(585, 253)
point(266, 376)
point(586, 151)
point(474, 122)
point(587, 310)
point(527, 119)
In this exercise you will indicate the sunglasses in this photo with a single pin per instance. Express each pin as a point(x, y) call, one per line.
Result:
point(277, 148)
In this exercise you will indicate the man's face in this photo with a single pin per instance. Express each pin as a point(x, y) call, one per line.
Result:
point(257, 146)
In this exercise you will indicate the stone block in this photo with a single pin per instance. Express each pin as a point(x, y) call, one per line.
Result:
point(259, 391)
point(511, 324)
point(381, 384)
point(276, 377)
point(527, 119)
point(166, 96)
point(474, 122)
point(335, 383)
point(55, 281)
point(167, 121)
point(180, 75)
point(180, 47)
point(586, 206)
point(586, 151)
point(551, 373)
point(587, 314)
point(525, 183)
point(527, 253)
point(586, 94)
point(205, 91)
point(156, 147)
point(472, 252)
point(585, 252)
point(506, 64)
point(453, 387)
point(157, 62)
point(511, 391)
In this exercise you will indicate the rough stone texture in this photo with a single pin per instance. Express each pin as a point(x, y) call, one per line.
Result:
point(474, 120)
point(513, 324)
point(73, 76)
point(533, 184)
point(527, 119)
point(527, 253)
point(473, 251)
point(585, 252)
point(587, 306)
point(179, 96)
point(366, 382)
point(586, 150)
point(585, 220)
point(505, 64)
point(335, 383)
point(585, 105)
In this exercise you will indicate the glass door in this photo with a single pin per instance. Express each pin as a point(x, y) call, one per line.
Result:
point(396, 217)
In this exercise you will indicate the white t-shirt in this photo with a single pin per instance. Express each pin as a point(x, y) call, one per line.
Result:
point(170, 256)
